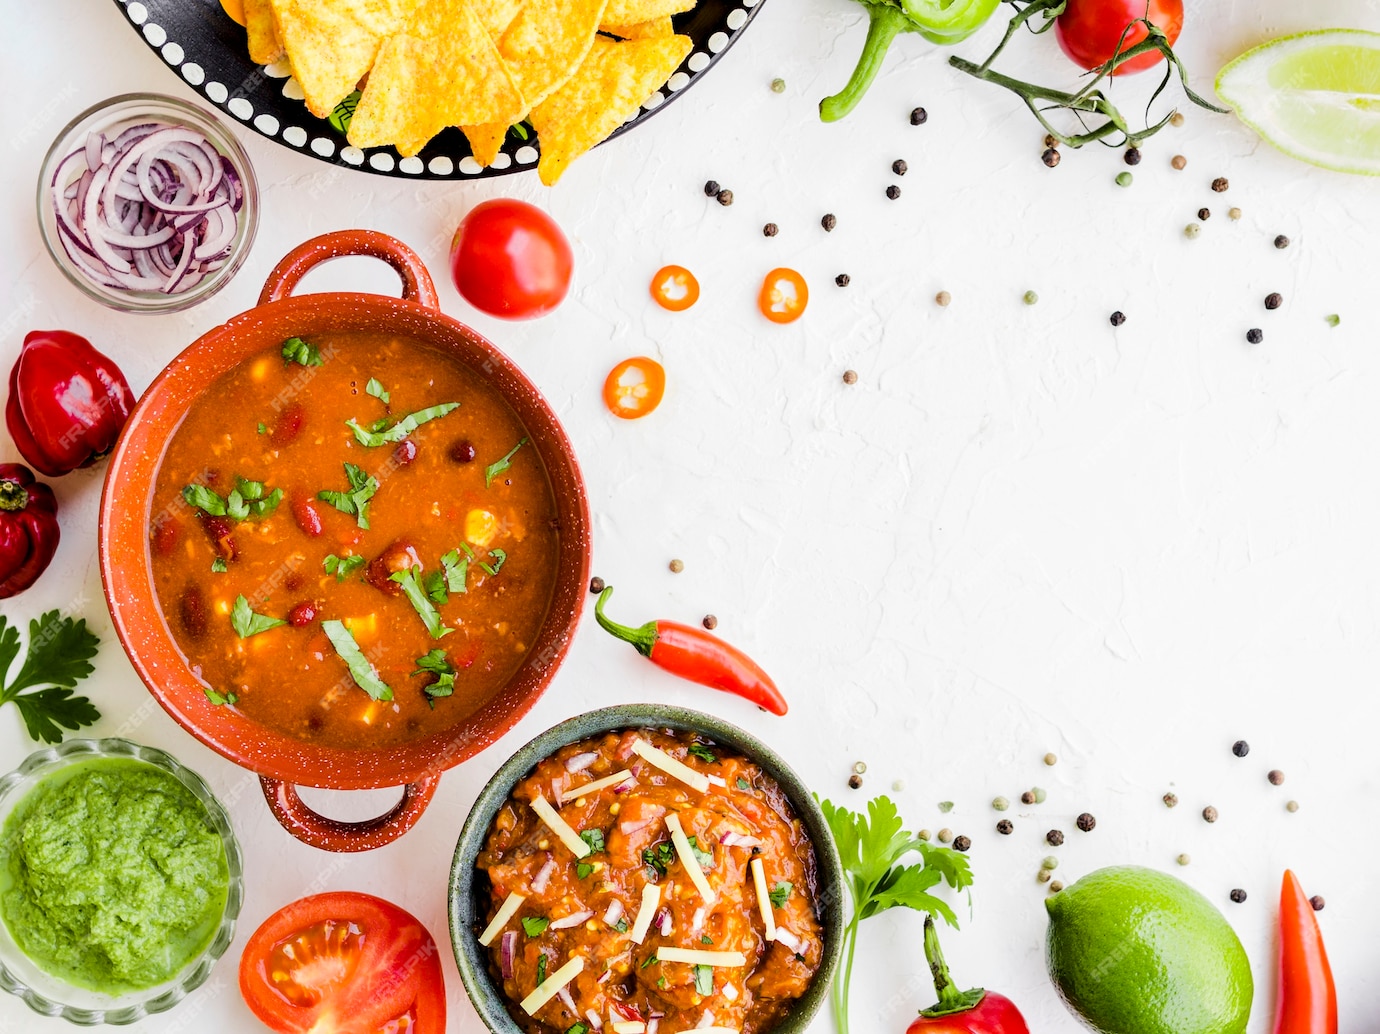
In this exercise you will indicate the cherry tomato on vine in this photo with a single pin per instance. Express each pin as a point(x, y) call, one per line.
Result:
point(784, 296)
point(511, 260)
point(1089, 30)
point(675, 288)
point(344, 962)
point(634, 387)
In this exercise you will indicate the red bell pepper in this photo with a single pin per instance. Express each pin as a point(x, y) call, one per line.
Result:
point(67, 404)
point(28, 528)
point(1307, 995)
point(962, 1012)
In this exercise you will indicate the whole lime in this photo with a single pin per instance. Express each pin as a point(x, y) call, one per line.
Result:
point(1136, 951)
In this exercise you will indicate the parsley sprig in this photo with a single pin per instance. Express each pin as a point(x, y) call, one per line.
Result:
point(363, 673)
point(438, 664)
point(871, 848)
point(248, 500)
point(391, 435)
point(59, 656)
point(304, 353)
point(499, 466)
point(355, 502)
point(421, 603)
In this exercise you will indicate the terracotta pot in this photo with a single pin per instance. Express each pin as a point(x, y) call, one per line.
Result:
point(283, 762)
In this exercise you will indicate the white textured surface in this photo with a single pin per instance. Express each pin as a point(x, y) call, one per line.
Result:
point(1020, 530)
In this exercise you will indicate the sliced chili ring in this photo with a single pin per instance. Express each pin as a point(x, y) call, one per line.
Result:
point(634, 387)
point(675, 288)
point(784, 295)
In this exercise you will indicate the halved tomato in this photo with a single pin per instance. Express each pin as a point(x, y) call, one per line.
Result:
point(344, 962)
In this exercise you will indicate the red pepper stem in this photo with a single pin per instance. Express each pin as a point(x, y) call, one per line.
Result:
point(951, 1000)
point(13, 498)
point(642, 639)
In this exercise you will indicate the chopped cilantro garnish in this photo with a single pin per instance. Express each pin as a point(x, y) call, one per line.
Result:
point(702, 752)
point(594, 838)
point(263, 427)
point(400, 430)
point(218, 699)
point(621, 926)
point(251, 499)
point(780, 893)
point(494, 469)
point(743, 784)
point(704, 980)
point(366, 678)
point(412, 589)
point(659, 857)
point(247, 623)
point(705, 858)
point(355, 502)
point(706, 939)
point(219, 566)
point(376, 388)
point(341, 566)
point(650, 960)
point(58, 657)
point(457, 570)
point(577, 1028)
point(541, 965)
point(535, 925)
point(582, 870)
point(295, 350)
point(205, 500)
point(660, 981)
point(499, 558)
point(436, 663)
point(434, 585)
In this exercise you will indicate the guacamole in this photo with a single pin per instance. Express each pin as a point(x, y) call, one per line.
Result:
point(111, 875)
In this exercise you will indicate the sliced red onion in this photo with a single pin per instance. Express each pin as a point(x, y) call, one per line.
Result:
point(626, 785)
point(564, 995)
point(730, 992)
point(595, 1020)
point(604, 976)
point(614, 913)
point(543, 876)
point(663, 922)
point(707, 1020)
point(154, 209)
point(731, 839)
point(570, 921)
point(697, 921)
point(580, 762)
point(507, 950)
point(653, 1024)
point(787, 938)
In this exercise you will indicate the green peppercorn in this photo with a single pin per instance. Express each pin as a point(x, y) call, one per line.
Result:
point(1292, 807)
point(1124, 179)
point(1192, 230)
point(778, 85)
point(1038, 794)
point(945, 835)
point(1049, 862)
point(1030, 297)
point(1183, 859)
point(924, 834)
point(1333, 320)
point(1044, 876)
point(1000, 804)
point(946, 806)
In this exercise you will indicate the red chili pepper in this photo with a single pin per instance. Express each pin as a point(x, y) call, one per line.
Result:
point(698, 656)
point(67, 402)
point(1307, 995)
point(962, 1012)
point(28, 528)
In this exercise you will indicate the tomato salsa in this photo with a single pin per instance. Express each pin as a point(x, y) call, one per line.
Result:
point(352, 540)
point(647, 880)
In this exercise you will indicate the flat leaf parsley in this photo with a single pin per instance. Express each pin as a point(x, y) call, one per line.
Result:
point(59, 656)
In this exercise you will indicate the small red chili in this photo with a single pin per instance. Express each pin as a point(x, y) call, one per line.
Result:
point(694, 654)
point(962, 1012)
point(1307, 993)
point(28, 528)
point(67, 404)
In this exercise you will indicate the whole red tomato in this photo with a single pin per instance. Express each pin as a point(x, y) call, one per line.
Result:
point(510, 259)
point(1089, 30)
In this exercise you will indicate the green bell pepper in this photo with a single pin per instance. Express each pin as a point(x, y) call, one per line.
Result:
point(945, 22)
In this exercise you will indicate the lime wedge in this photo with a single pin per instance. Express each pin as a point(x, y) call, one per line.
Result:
point(1315, 96)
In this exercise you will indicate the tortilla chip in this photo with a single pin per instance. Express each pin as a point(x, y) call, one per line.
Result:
point(440, 70)
point(331, 44)
point(497, 15)
point(264, 47)
point(631, 12)
point(607, 88)
point(486, 141)
point(657, 28)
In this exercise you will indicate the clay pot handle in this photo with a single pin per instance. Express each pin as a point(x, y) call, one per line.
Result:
point(332, 835)
point(287, 274)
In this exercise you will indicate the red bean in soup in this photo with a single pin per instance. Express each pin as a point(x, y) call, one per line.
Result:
point(326, 564)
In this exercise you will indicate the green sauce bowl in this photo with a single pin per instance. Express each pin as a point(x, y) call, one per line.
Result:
point(53, 995)
point(466, 884)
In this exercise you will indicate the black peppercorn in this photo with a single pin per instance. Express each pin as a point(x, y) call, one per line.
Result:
point(1004, 827)
point(855, 781)
point(1086, 822)
point(1317, 902)
point(711, 188)
point(899, 166)
point(710, 622)
point(1118, 318)
point(1220, 184)
point(1238, 895)
point(596, 585)
point(725, 197)
point(1209, 814)
point(1255, 335)
point(1241, 748)
point(962, 843)
point(1028, 797)
point(1274, 300)
point(1051, 157)
point(1132, 156)
point(919, 116)
point(770, 230)
point(842, 279)
point(1054, 838)
point(893, 192)
point(828, 222)
point(1281, 242)
point(1205, 213)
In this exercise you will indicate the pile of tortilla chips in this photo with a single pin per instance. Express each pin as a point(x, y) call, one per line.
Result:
point(577, 69)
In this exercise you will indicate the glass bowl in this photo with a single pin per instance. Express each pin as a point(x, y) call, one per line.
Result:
point(52, 996)
point(110, 117)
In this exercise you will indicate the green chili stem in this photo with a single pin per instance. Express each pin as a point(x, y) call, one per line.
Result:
point(885, 24)
point(643, 638)
point(13, 498)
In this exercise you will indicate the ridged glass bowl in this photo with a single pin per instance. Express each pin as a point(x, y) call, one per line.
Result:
point(52, 996)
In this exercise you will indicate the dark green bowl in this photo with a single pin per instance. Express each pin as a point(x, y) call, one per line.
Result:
point(488, 998)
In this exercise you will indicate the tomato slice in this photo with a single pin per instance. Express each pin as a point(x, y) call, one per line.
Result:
point(634, 387)
point(784, 296)
point(344, 963)
point(675, 288)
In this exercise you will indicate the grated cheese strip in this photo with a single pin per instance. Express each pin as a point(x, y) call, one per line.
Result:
point(651, 900)
point(560, 827)
point(552, 985)
point(718, 1030)
point(596, 786)
point(629, 1027)
point(699, 957)
point(688, 859)
point(506, 911)
point(759, 880)
point(697, 781)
